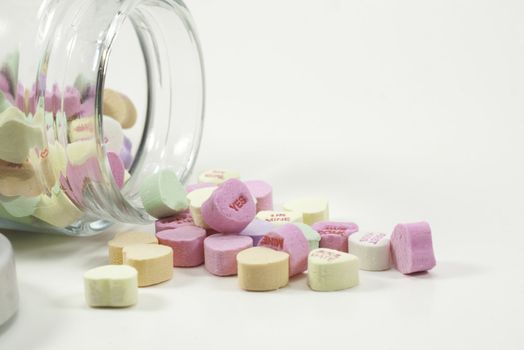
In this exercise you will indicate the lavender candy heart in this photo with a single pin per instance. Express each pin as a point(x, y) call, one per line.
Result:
point(128, 144)
point(126, 156)
point(257, 229)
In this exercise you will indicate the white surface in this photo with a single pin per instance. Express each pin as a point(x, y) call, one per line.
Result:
point(396, 111)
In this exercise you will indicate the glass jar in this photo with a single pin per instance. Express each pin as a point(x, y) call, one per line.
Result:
point(66, 160)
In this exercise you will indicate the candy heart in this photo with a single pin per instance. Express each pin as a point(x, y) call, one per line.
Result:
point(124, 239)
point(257, 229)
point(196, 199)
point(221, 252)
point(162, 194)
point(19, 180)
point(25, 220)
point(79, 152)
point(57, 209)
point(20, 98)
point(89, 171)
point(180, 219)
point(312, 236)
point(126, 157)
point(84, 129)
point(330, 270)
point(290, 239)
point(334, 234)
point(262, 269)
point(19, 206)
point(412, 248)
point(187, 243)
point(52, 99)
point(111, 286)
point(18, 136)
point(372, 249)
point(153, 262)
point(263, 193)
point(217, 176)
point(72, 104)
point(119, 107)
point(312, 209)
point(230, 208)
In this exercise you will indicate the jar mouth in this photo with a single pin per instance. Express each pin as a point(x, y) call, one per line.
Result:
point(175, 105)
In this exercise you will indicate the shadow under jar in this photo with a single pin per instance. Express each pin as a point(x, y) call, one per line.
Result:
point(69, 163)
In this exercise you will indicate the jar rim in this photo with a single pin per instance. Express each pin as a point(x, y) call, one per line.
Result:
point(149, 29)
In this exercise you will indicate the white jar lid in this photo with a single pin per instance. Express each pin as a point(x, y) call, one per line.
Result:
point(9, 289)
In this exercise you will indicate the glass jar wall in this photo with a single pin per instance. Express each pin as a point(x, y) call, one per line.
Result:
point(95, 96)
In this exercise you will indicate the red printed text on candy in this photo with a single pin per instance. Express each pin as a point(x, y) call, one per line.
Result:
point(325, 255)
point(372, 238)
point(184, 220)
point(216, 174)
point(238, 203)
point(333, 229)
point(44, 153)
point(278, 217)
point(271, 241)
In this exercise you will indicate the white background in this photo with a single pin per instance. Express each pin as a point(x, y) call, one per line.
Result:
point(396, 111)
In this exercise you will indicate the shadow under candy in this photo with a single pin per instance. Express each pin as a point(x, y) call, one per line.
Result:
point(147, 301)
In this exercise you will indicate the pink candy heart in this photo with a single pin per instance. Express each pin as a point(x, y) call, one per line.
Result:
point(230, 208)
